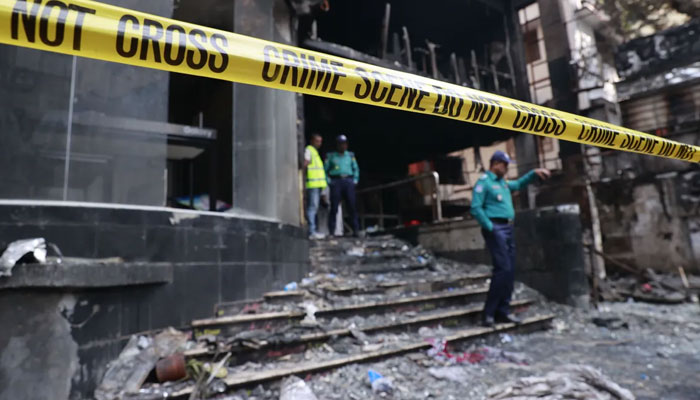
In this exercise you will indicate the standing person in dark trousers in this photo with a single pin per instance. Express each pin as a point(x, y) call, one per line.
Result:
point(343, 174)
point(315, 182)
point(492, 207)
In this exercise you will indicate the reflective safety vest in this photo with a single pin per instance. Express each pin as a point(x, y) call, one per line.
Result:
point(315, 174)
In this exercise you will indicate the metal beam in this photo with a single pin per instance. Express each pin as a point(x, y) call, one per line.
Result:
point(385, 30)
point(407, 46)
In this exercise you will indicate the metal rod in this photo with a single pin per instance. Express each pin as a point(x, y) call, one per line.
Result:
point(424, 59)
point(438, 200)
point(381, 211)
point(475, 68)
point(191, 168)
point(314, 30)
point(495, 78)
point(385, 29)
point(433, 59)
point(509, 57)
point(463, 70)
point(407, 45)
point(596, 232)
point(395, 183)
point(69, 128)
point(455, 68)
point(395, 47)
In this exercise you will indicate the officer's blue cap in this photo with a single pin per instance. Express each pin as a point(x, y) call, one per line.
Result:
point(501, 156)
point(341, 138)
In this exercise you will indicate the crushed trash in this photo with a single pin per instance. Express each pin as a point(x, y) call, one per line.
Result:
point(310, 317)
point(611, 323)
point(291, 286)
point(359, 335)
point(568, 382)
point(171, 368)
point(294, 388)
point(496, 354)
point(356, 252)
point(197, 369)
point(649, 286)
point(128, 372)
point(454, 373)
point(439, 352)
point(444, 370)
point(27, 250)
point(506, 338)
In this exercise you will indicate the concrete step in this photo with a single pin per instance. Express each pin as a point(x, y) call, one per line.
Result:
point(231, 325)
point(280, 370)
point(284, 342)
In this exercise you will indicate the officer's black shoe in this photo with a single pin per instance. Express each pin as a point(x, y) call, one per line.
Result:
point(510, 318)
point(488, 322)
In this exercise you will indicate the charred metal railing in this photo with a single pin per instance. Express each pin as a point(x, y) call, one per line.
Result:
point(365, 195)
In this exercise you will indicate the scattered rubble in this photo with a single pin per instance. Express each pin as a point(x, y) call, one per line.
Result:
point(399, 333)
point(568, 382)
point(127, 373)
point(29, 250)
point(647, 285)
point(294, 388)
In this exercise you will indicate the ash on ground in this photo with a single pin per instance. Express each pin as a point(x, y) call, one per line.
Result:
point(651, 350)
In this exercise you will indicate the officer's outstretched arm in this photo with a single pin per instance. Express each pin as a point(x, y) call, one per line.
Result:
point(523, 181)
point(477, 207)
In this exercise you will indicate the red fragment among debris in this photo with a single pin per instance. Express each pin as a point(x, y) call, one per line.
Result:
point(253, 308)
point(440, 350)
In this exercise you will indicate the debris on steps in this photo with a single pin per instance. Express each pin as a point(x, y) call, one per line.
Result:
point(366, 300)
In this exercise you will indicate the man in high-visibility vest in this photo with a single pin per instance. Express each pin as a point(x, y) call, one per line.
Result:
point(315, 182)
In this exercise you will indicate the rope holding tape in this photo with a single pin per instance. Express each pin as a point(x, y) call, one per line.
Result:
point(95, 30)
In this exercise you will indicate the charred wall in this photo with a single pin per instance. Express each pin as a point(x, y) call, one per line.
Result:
point(550, 255)
point(659, 53)
point(63, 323)
point(652, 222)
point(473, 40)
point(649, 205)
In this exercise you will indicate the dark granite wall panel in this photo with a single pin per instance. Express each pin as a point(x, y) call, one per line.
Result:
point(214, 258)
point(550, 252)
point(154, 234)
point(549, 249)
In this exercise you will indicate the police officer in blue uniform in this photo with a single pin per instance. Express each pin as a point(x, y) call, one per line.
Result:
point(343, 175)
point(492, 207)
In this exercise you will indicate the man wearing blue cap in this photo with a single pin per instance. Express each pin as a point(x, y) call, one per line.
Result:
point(492, 207)
point(343, 174)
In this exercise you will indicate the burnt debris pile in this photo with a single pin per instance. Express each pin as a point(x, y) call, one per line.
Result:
point(365, 300)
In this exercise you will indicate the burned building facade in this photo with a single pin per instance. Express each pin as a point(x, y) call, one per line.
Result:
point(168, 194)
point(649, 209)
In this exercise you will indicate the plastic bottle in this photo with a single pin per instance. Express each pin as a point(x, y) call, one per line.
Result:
point(379, 383)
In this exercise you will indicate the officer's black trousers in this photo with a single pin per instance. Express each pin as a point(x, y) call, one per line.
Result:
point(501, 245)
point(343, 189)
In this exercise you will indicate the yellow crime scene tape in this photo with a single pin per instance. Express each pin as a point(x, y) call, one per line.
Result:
point(104, 32)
